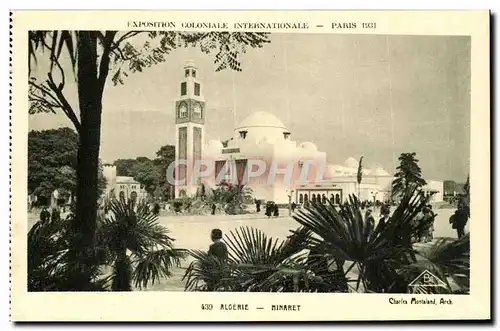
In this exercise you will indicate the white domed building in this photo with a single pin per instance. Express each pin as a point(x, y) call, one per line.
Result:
point(292, 171)
point(261, 138)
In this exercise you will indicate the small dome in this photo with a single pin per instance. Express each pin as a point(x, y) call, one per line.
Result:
point(261, 119)
point(380, 172)
point(351, 162)
point(215, 144)
point(232, 143)
point(309, 146)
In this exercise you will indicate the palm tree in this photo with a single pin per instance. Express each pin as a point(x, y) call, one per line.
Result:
point(138, 247)
point(130, 240)
point(381, 258)
point(49, 264)
point(231, 197)
point(447, 258)
point(345, 237)
point(334, 250)
point(256, 263)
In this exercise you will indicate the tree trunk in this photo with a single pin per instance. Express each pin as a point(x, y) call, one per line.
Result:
point(90, 104)
point(122, 273)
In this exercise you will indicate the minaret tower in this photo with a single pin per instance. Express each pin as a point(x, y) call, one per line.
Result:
point(189, 129)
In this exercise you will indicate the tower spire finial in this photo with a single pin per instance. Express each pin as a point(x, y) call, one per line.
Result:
point(189, 64)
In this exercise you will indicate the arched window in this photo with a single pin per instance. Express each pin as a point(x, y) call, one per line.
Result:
point(301, 198)
point(323, 198)
point(332, 199)
point(121, 195)
point(337, 199)
point(313, 198)
point(306, 197)
point(182, 193)
point(183, 112)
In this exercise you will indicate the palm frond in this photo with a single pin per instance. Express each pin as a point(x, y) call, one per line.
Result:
point(207, 273)
point(151, 266)
point(447, 258)
point(133, 227)
point(344, 235)
point(51, 267)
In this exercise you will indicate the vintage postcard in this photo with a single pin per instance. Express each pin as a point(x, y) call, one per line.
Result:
point(250, 166)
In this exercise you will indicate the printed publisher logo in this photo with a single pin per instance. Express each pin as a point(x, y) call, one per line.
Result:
point(424, 282)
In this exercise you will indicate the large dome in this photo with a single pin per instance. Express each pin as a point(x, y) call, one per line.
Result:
point(261, 119)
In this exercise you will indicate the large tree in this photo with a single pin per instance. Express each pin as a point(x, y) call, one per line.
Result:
point(92, 55)
point(52, 158)
point(164, 157)
point(50, 153)
point(408, 176)
point(124, 167)
point(146, 172)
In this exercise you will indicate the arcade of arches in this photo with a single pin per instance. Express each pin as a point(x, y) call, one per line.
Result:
point(311, 195)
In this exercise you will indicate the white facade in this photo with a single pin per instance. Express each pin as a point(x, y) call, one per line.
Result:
point(436, 188)
point(262, 136)
point(121, 186)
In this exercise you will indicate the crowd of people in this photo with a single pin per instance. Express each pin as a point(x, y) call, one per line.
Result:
point(423, 222)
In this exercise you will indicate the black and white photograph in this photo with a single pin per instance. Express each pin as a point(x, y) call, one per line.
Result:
point(192, 157)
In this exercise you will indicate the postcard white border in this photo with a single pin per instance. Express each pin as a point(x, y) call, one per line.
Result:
point(179, 306)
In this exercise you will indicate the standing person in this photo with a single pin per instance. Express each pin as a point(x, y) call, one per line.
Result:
point(213, 208)
point(294, 205)
point(156, 209)
point(417, 224)
point(428, 218)
point(369, 219)
point(257, 205)
point(382, 223)
point(276, 212)
point(56, 215)
point(429, 207)
point(44, 215)
point(433, 215)
point(268, 210)
point(459, 219)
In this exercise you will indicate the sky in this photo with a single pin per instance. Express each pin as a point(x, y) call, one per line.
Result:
point(352, 95)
